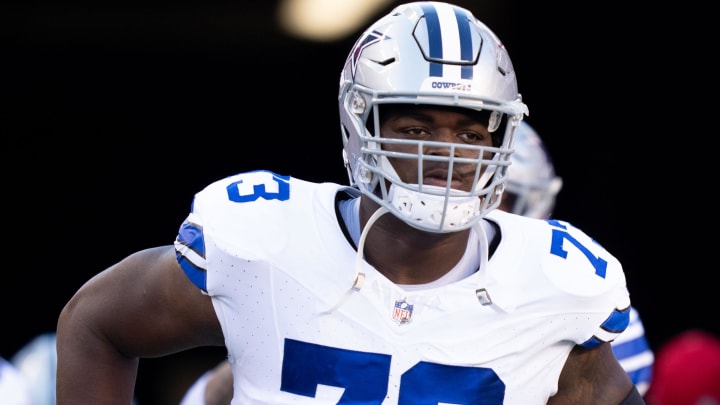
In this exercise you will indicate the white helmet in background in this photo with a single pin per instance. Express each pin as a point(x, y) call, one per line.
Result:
point(532, 185)
point(428, 53)
point(37, 362)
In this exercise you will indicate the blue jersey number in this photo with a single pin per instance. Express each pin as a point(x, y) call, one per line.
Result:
point(364, 378)
point(257, 184)
point(560, 234)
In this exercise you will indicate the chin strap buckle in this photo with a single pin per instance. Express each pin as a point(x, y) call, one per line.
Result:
point(483, 296)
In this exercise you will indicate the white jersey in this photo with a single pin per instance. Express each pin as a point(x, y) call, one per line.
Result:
point(271, 252)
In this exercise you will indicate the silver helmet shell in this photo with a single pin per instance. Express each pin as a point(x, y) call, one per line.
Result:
point(430, 53)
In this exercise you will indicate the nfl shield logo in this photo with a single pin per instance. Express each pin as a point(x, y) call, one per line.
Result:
point(402, 311)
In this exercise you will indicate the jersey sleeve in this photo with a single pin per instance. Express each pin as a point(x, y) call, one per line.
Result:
point(591, 277)
point(260, 220)
point(553, 270)
point(239, 211)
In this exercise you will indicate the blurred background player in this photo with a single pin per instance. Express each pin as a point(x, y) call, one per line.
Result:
point(14, 390)
point(531, 190)
point(36, 363)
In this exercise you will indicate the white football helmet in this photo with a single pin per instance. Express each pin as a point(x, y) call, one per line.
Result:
point(532, 183)
point(37, 362)
point(429, 53)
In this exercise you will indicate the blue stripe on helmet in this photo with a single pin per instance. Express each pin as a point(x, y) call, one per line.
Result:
point(466, 46)
point(434, 39)
point(434, 32)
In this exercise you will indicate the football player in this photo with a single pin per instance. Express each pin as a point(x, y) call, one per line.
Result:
point(406, 286)
point(531, 189)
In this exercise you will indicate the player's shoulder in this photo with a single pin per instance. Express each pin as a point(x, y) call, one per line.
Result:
point(558, 253)
point(253, 192)
point(257, 185)
point(262, 207)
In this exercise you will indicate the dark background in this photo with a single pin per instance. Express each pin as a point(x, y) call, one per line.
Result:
point(114, 114)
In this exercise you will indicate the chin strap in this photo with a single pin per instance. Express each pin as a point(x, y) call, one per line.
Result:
point(359, 275)
point(482, 294)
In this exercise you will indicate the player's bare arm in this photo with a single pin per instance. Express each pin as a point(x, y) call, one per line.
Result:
point(220, 389)
point(143, 306)
point(594, 376)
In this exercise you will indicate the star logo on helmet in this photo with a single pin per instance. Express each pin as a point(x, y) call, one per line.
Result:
point(369, 39)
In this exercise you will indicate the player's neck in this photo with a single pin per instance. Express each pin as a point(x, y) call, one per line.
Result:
point(407, 255)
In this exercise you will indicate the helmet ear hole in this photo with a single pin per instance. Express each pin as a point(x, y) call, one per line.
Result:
point(494, 121)
point(498, 134)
